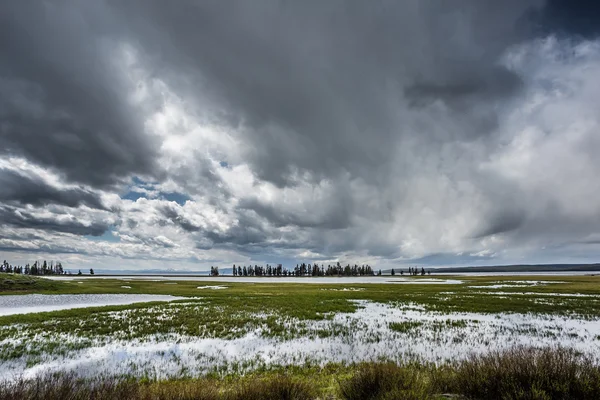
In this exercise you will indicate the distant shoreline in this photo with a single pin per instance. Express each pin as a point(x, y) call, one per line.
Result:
point(522, 268)
point(516, 268)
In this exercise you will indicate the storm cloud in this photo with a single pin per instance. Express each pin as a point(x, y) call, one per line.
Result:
point(385, 132)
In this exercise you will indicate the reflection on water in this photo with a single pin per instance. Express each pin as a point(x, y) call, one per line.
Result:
point(32, 303)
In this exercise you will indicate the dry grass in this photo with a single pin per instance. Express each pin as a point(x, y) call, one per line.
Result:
point(69, 387)
point(278, 387)
point(379, 381)
point(528, 373)
point(516, 374)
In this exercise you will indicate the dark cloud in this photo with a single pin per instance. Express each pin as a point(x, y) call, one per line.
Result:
point(502, 223)
point(172, 212)
point(55, 222)
point(41, 247)
point(568, 17)
point(500, 82)
point(62, 103)
point(447, 259)
point(19, 189)
point(336, 217)
point(320, 86)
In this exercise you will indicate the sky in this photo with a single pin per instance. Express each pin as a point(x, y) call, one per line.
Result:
point(181, 135)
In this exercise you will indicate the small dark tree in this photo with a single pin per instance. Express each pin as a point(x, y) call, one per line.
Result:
point(393, 272)
point(79, 273)
point(91, 271)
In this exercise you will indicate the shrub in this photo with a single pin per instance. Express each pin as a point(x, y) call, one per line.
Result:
point(528, 373)
point(386, 381)
point(278, 387)
point(67, 387)
point(200, 389)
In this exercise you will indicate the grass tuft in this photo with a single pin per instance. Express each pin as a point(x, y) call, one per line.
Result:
point(70, 387)
point(528, 373)
point(382, 381)
point(67, 386)
point(278, 387)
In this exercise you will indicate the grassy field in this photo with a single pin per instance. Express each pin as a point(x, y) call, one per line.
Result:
point(317, 335)
point(23, 284)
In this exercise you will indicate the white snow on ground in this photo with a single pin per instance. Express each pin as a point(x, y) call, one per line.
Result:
point(351, 280)
point(359, 336)
point(496, 286)
point(32, 303)
point(537, 294)
point(515, 284)
point(212, 287)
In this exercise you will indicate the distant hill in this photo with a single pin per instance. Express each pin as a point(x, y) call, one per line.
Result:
point(521, 268)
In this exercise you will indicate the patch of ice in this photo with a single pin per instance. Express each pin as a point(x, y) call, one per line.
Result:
point(540, 294)
point(426, 281)
point(514, 284)
point(351, 280)
point(212, 287)
point(363, 335)
point(33, 303)
point(126, 287)
point(500, 286)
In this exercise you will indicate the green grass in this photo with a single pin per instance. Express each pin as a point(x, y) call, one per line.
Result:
point(316, 301)
point(405, 326)
point(308, 300)
point(21, 284)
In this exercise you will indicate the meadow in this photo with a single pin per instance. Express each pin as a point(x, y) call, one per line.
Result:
point(431, 337)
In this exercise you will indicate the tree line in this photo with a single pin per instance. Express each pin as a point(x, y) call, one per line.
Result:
point(303, 270)
point(52, 268)
point(311, 270)
point(37, 268)
point(412, 271)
